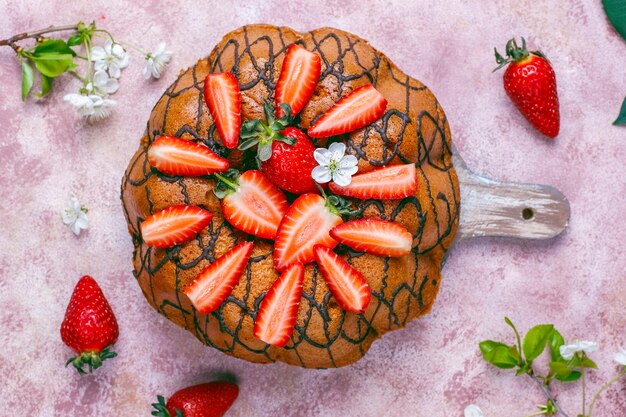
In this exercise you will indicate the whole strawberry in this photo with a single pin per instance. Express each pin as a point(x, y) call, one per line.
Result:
point(530, 82)
point(212, 399)
point(89, 326)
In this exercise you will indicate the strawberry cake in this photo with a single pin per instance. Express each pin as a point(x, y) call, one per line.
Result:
point(293, 197)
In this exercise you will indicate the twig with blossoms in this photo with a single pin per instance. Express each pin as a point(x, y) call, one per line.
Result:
point(104, 64)
point(568, 363)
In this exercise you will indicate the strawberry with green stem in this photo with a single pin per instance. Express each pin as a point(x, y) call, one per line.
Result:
point(530, 83)
point(211, 399)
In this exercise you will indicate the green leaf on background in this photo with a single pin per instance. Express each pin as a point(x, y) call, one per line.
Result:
point(563, 372)
point(535, 341)
point(28, 77)
point(621, 119)
point(53, 65)
point(497, 354)
point(46, 86)
point(616, 12)
point(588, 363)
point(53, 46)
point(555, 341)
point(75, 39)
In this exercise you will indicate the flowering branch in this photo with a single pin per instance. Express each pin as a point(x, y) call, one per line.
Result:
point(53, 57)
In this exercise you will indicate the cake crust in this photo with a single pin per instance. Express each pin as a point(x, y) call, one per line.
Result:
point(414, 129)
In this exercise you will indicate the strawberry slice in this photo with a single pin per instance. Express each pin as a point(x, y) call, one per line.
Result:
point(306, 223)
point(345, 283)
point(176, 156)
point(252, 203)
point(174, 225)
point(389, 183)
point(279, 309)
point(215, 283)
point(375, 236)
point(222, 95)
point(297, 80)
point(361, 107)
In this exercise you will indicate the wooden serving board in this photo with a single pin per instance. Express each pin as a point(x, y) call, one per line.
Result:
point(507, 209)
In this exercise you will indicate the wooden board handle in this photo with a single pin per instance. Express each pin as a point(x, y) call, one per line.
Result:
point(507, 209)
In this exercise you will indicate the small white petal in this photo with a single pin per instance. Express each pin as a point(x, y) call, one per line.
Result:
point(100, 78)
point(588, 346)
point(111, 86)
point(348, 161)
point(118, 51)
point(98, 53)
point(567, 351)
point(75, 229)
point(473, 410)
point(108, 46)
point(322, 156)
point(124, 61)
point(321, 174)
point(351, 170)
point(69, 216)
point(338, 150)
point(114, 70)
point(341, 178)
point(620, 356)
point(147, 69)
point(160, 48)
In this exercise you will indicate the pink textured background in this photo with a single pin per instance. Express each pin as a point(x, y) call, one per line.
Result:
point(431, 368)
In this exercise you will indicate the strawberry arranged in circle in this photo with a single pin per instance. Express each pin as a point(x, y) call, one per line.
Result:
point(215, 283)
point(212, 399)
point(251, 203)
point(530, 83)
point(89, 326)
point(306, 223)
point(290, 166)
point(390, 183)
point(174, 225)
point(278, 312)
point(222, 95)
point(345, 283)
point(358, 109)
point(176, 156)
point(375, 236)
point(298, 77)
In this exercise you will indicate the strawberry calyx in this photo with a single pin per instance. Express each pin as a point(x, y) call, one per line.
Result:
point(337, 204)
point(515, 53)
point(228, 182)
point(160, 409)
point(92, 358)
point(263, 133)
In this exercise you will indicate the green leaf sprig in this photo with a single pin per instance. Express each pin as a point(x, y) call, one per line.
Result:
point(521, 355)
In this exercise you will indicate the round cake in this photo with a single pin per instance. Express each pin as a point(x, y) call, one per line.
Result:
point(410, 137)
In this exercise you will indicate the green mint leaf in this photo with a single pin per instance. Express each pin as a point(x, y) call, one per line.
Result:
point(555, 341)
point(46, 86)
point(535, 341)
point(497, 354)
point(53, 65)
point(617, 15)
point(28, 77)
point(621, 119)
point(75, 40)
point(53, 46)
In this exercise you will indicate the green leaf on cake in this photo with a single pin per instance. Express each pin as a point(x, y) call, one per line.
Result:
point(621, 119)
point(616, 12)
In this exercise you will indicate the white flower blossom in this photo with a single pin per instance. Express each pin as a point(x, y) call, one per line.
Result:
point(91, 106)
point(75, 215)
point(102, 84)
point(473, 410)
point(156, 61)
point(568, 351)
point(111, 58)
point(334, 165)
point(620, 356)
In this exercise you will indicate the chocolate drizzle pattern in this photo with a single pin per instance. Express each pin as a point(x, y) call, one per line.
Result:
point(412, 130)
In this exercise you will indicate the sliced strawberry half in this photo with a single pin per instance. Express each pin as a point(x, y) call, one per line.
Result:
point(358, 109)
point(298, 77)
point(252, 204)
point(215, 283)
point(389, 183)
point(375, 236)
point(176, 156)
point(174, 225)
point(345, 283)
point(279, 309)
point(222, 95)
point(306, 224)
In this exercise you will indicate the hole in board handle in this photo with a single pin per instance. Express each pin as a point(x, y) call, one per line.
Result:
point(528, 213)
